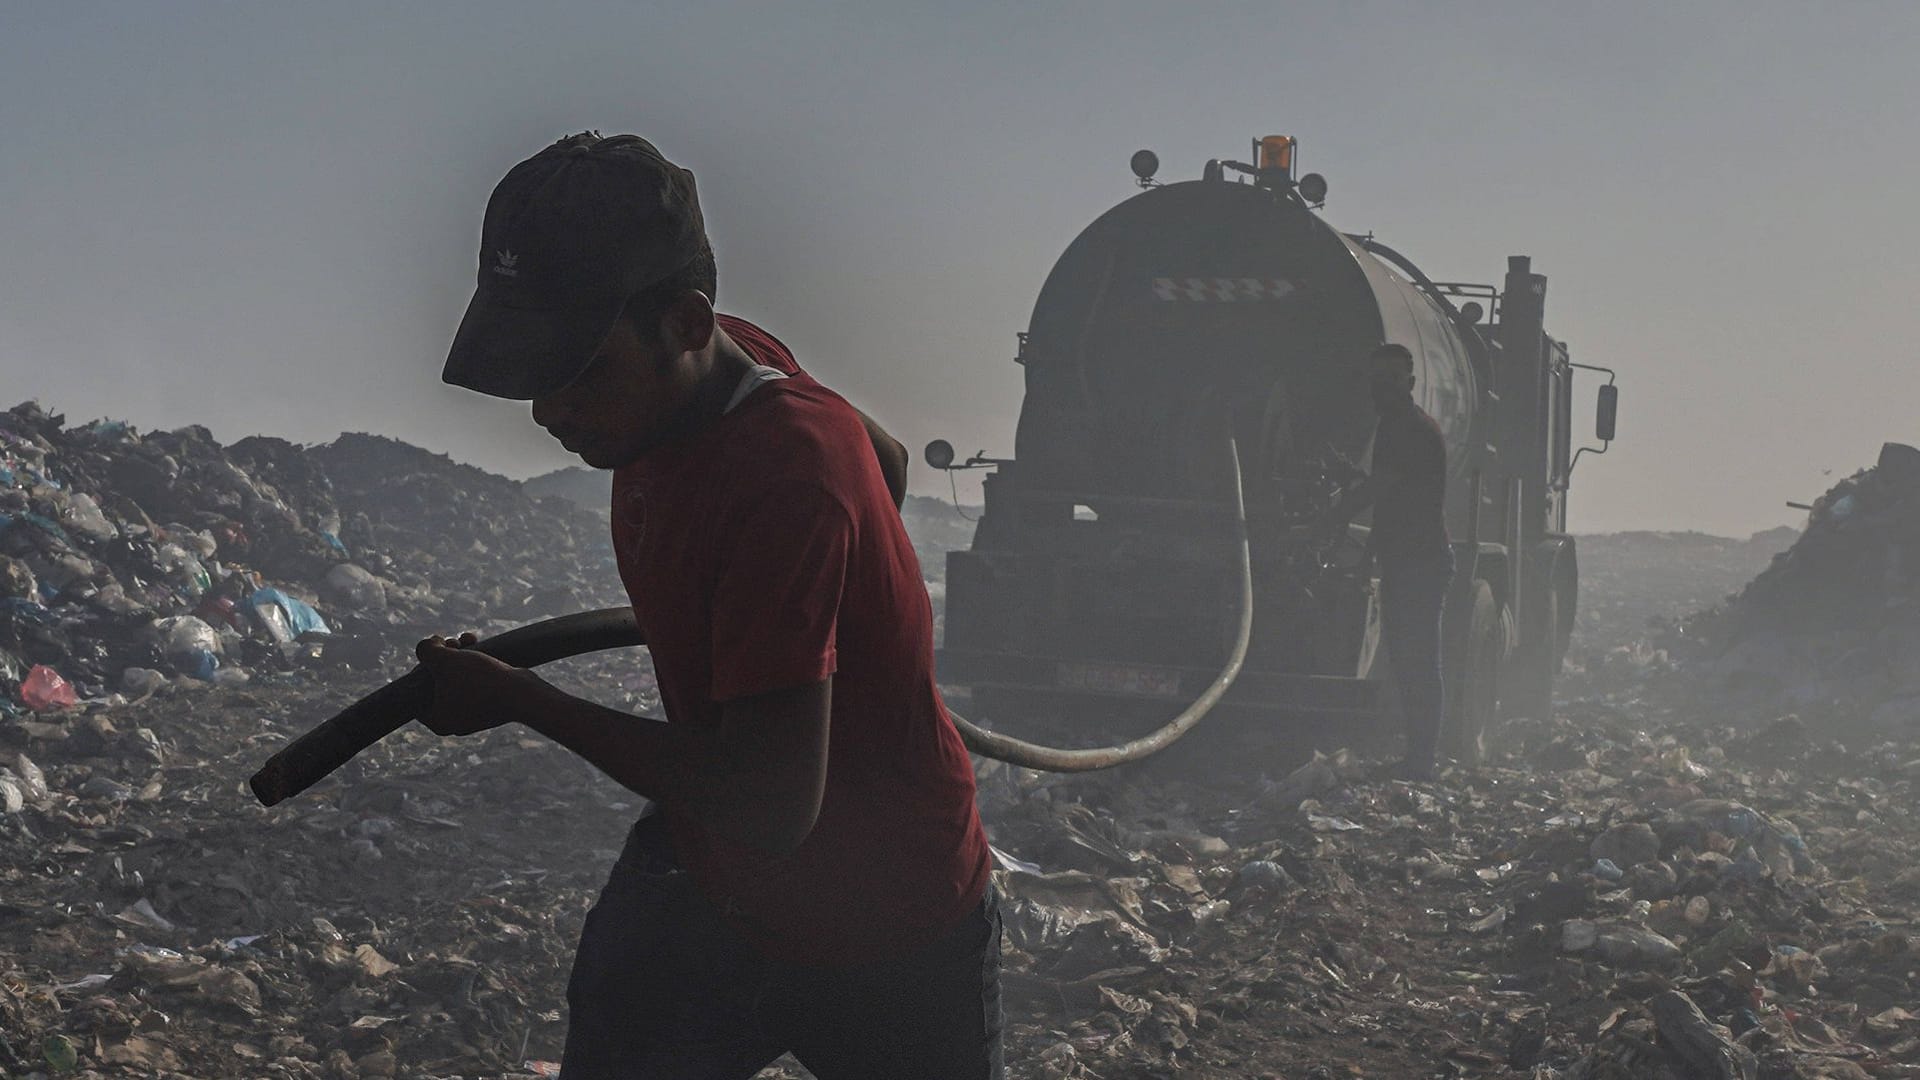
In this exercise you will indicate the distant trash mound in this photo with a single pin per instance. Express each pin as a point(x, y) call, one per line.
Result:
point(589, 489)
point(129, 561)
point(1858, 561)
point(1835, 620)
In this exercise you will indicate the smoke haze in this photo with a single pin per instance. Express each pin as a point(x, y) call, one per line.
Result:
point(265, 220)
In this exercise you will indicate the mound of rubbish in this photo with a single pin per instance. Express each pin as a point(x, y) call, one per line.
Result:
point(130, 560)
point(1634, 584)
point(1626, 890)
point(1832, 627)
point(586, 488)
point(1617, 898)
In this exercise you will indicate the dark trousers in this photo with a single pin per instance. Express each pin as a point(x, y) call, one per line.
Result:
point(663, 988)
point(1413, 595)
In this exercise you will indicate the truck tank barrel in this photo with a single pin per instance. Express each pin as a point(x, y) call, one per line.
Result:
point(1212, 306)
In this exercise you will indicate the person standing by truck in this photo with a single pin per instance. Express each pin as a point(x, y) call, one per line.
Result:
point(815, 878)
point(1407, 490)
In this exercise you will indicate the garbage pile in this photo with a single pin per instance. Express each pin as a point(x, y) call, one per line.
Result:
point(412, 916)
point(129, 560)
point(1832, 628)
point(1624, 899)
point(1625, 892)
point(1635, 585)
point(1619, 901)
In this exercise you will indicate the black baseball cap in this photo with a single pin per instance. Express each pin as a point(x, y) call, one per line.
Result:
point(570, 235)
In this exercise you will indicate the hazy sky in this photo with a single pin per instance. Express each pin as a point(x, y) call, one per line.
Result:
point(263, 218)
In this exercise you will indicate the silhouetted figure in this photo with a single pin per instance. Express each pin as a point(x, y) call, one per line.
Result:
point(1407, 491)
point(812, 875)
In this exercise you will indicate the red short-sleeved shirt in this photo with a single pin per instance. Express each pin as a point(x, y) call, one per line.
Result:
point(764, 554)
point(765, 349)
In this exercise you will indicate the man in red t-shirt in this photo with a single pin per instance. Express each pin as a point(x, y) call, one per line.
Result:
point(813, 876)
point(771, 352)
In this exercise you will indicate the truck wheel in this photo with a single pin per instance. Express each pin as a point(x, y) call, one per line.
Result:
point(1473, 685)
point(1542, 651)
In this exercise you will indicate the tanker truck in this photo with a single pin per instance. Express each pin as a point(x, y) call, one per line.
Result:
point(1195, 408)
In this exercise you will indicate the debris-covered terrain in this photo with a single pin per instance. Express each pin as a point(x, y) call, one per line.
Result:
point(1632, 889)
point(1832, 628)
point(1635, 585)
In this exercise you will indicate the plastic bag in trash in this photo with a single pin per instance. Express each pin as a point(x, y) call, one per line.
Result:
point(219, 611)
point(32, 779)
point(1266, 874)
point(85, 517)
point(140, 681)
point(1777, 842)
point(273, 619)
point(17, 578)
point(184, 570)
point(1633, 947)
point(298, 616)
point(200, 543)
point(44, 689)
point(12, 670)
point(190, 645)
point(357, 587)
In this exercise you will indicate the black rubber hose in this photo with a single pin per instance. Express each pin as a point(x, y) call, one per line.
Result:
point(312, 757)
point(1049, 759)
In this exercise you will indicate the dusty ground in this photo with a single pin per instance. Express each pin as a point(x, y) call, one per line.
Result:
point(415, 916)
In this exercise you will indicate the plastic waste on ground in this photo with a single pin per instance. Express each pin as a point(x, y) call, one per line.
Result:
point(1264, 874)
point(33, 780)
point(357, 587)
point(141, 682)
point(273, 619)
point(85, 517)
point(104, 530)
point(43, 689)
point(12, 670)
point(296, 616)
point(190, 645)
point(61, 1055)
point(184, 570)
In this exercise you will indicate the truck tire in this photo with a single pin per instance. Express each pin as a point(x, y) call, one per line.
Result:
point(1473, 684)
point(1542, 651)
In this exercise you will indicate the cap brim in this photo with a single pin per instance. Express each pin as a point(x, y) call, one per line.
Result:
point(525, 353)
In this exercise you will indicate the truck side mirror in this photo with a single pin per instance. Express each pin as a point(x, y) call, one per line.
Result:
point(1608, 410)
point(939, 454)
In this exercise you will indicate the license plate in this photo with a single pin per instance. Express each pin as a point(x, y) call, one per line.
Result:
point(1119, 679)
